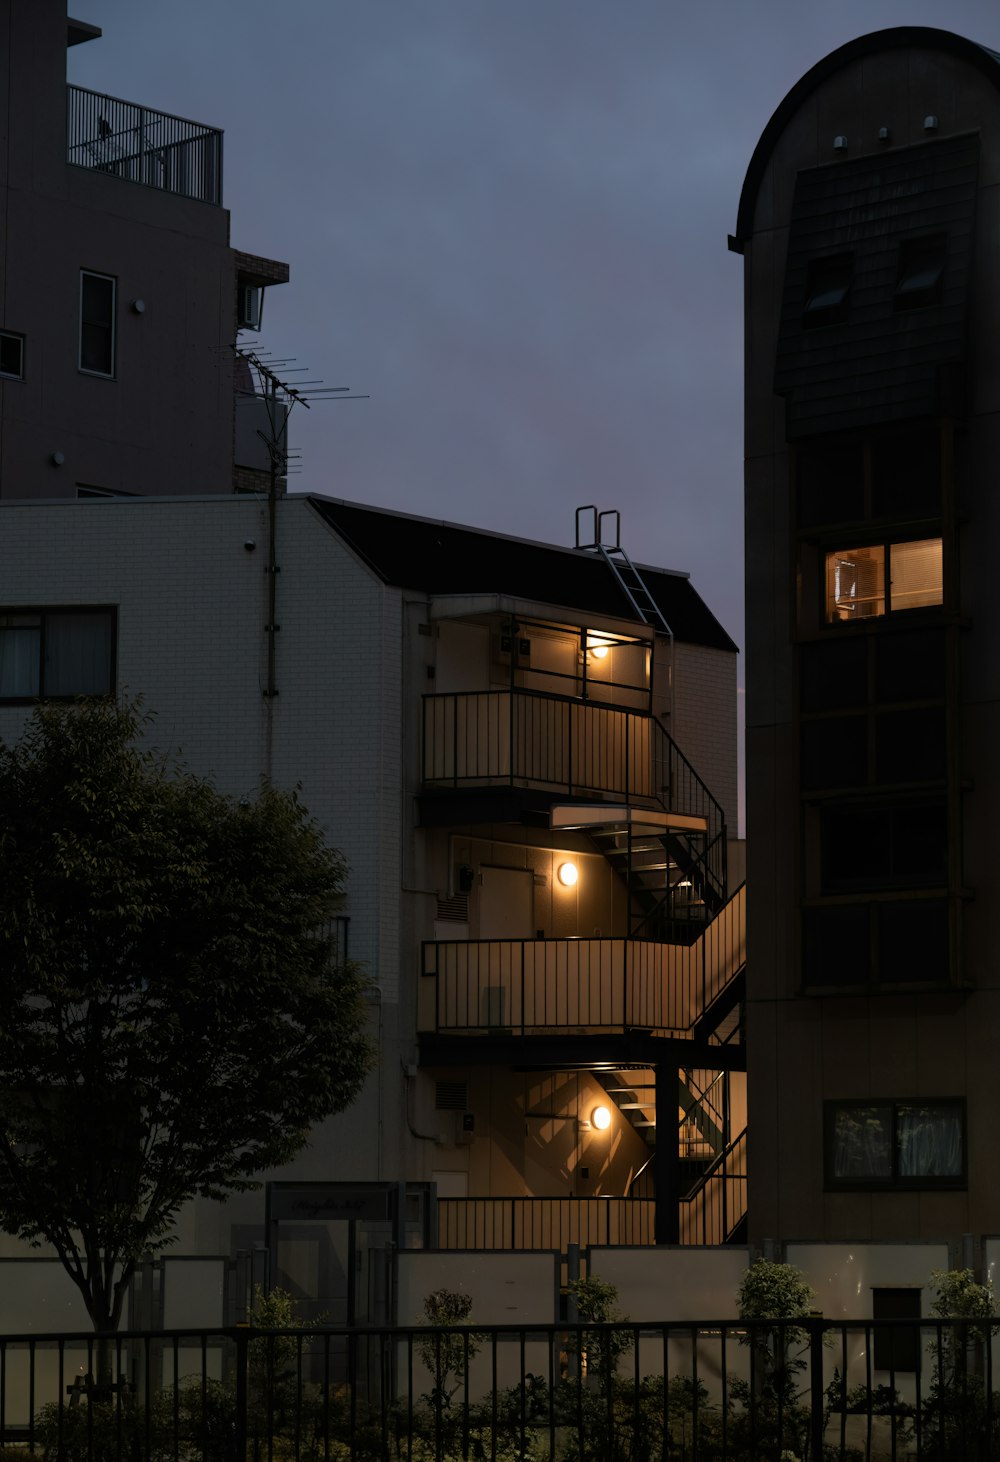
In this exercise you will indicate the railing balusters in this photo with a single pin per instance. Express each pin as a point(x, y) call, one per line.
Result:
point(130, 141)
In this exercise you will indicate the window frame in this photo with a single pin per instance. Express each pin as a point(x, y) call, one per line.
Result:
point(111, 374)
point(896, 1182)
point(890, 612)
point(828, 275)
point(926, 254)
point(13, 375)
point(46, 613)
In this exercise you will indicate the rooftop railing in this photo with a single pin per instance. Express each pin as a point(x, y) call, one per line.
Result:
point(143, 146)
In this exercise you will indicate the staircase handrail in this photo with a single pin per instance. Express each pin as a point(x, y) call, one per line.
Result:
point(712, 1171)
point(701, 1099)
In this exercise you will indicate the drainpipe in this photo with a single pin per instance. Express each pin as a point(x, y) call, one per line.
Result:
point(272, 570)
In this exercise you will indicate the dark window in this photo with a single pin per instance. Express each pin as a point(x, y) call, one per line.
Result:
point(906, 474)
point(910, 666)
point(836, 945)
point(877, 943)
point(830, 484)
point(895, 1144)
point(85, 490)
point(97, 323)
point(833, 674)
point(834, 753)
point(882, 847)
point(53, 653)
point(910, 746)
point(896, 1347)
point(828, 286)
point(920, 273)
point(912, 941)
point(11, 355)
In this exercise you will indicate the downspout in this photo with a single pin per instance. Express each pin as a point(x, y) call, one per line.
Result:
point(272, 570)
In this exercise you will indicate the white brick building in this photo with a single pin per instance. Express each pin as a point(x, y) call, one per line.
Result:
point(475, 720)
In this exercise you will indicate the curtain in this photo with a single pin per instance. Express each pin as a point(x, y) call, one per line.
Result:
point(78, 653)
point(929, 1141)
point(20, 640)
point(862, 1146)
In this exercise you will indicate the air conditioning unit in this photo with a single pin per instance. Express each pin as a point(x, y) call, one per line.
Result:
point(249, 307)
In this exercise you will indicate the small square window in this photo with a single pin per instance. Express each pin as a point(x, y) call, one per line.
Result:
point(97, 323)
point(11, 355)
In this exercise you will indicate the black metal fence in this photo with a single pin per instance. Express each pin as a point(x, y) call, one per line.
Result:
point(620, 1392)
point(142, 145)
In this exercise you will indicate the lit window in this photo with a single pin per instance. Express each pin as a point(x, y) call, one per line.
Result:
point(11, 355)
point(857, 586)
point(97, 323)
point(855, 583)
point(903, 1144)
point(53, 653)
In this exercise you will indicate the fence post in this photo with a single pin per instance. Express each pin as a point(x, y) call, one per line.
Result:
point(816, 1388)
point(242, 1336)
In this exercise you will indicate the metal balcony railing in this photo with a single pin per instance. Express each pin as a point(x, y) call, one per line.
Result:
point(577, 748)
point(134, 142)
point(532, 738)
point(717, 1203)
point(544, 1223)
point(531, 985)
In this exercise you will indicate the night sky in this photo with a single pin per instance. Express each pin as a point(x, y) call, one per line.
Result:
point(506, 220)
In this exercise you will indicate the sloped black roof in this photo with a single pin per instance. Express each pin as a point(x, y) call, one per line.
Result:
point(446, 558)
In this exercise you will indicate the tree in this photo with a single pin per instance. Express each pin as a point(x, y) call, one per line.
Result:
point(172, 1017)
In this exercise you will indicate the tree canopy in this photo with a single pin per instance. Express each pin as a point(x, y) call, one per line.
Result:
point(173, 1019)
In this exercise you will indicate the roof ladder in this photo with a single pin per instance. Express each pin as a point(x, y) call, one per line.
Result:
point(628, 576)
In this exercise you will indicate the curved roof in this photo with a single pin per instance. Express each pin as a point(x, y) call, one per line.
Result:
point(896, 38)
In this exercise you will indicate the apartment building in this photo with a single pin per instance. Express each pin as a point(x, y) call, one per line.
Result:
point(542, 888)
point(122, 295)
point(868, 228)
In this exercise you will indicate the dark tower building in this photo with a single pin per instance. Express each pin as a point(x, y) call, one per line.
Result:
point(870, 230)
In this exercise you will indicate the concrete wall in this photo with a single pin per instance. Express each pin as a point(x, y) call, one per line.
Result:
point(164, 424)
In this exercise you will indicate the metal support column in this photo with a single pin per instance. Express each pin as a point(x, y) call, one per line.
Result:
point(667, 1160)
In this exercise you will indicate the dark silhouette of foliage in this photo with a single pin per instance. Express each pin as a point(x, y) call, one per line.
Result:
point(172, 1018)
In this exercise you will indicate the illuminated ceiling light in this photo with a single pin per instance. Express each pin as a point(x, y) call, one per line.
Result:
point(567, 874)
point(598, 648)
point(684, 883)
point(601, 1118)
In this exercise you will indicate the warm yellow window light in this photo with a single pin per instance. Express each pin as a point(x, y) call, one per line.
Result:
point(567, 874)
point(601, 1118)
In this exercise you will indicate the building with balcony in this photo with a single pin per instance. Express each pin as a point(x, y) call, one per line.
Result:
point(544, 886)
point(867, 227)
point(123, 296)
